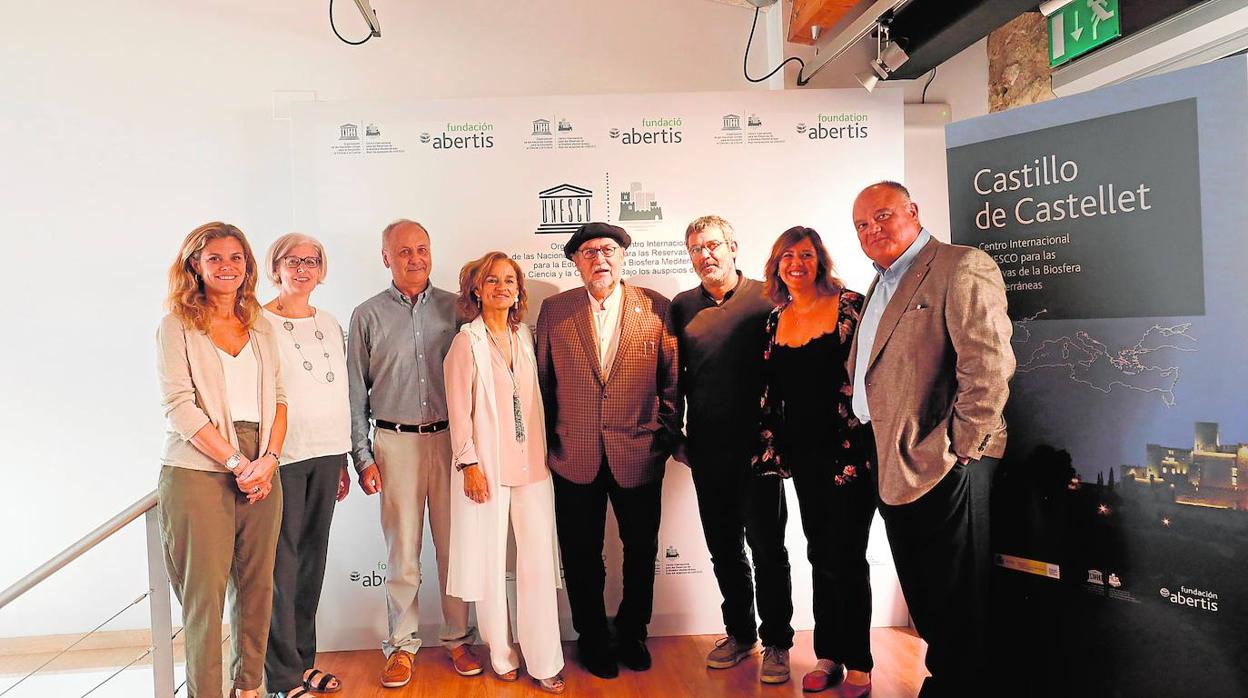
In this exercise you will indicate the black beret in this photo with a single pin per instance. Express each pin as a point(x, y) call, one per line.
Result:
point(593, 231)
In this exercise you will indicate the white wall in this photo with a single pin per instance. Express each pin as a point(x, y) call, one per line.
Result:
point(961, 83)
point(129, 122)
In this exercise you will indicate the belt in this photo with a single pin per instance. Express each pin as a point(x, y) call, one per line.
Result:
point(430, 428)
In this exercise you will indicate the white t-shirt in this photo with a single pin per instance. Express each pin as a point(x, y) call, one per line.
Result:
point(318, 414)
point(242, 383)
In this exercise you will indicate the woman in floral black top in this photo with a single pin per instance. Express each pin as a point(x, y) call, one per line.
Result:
point(809, 433)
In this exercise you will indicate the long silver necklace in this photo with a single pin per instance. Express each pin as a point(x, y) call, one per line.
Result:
point(320, 336)
point(511, 372)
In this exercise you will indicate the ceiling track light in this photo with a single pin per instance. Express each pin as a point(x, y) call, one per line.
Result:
point(889, 56)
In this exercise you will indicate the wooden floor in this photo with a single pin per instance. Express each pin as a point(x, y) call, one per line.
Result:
point(679, 670)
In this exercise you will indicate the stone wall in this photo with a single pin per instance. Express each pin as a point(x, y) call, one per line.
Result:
point(1018, 63)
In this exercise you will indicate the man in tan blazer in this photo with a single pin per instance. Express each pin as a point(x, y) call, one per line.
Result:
point(607, 366)
point(930, 366)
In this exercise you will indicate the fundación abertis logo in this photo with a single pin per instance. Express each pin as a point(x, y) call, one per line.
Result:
point(369, 578)
point(1191, 597)
point(461, 135)
point(661, 131)
point(565, 207)
point(840, 126)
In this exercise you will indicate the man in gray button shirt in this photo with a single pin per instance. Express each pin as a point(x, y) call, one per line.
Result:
point(398, 339)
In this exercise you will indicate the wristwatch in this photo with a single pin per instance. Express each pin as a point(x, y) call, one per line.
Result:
point(234, 461)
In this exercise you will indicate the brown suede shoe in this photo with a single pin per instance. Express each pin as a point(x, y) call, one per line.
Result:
point(464, 661)
point(398, 669)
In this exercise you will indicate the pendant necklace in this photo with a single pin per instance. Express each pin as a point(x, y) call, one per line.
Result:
point(511, 371)
point(320, 336)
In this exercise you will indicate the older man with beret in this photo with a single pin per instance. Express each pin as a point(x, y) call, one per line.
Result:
point(607, 366)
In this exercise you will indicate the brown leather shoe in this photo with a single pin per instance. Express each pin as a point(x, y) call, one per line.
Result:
point(464, 661)
point(398, 669)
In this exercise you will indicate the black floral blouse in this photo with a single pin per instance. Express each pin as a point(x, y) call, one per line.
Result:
point(842, 440)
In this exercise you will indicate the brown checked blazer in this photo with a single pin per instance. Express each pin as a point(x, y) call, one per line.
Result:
point(631, 414)
point(939, 370)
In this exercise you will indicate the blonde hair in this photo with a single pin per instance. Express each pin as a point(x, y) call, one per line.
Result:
point(283, 245)
point(187, 300)
point(472, 277)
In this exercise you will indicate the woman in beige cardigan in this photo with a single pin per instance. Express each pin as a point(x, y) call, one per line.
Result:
point(226, 414)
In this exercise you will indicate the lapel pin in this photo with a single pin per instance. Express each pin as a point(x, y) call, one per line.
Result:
point(637, 309)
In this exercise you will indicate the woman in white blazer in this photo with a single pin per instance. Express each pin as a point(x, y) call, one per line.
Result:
point(500, 481)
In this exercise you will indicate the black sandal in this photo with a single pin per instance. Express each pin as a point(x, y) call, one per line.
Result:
point(296, 692)
point(322, 686)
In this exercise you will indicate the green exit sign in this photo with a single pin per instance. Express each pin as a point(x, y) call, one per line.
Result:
point(1081, 26)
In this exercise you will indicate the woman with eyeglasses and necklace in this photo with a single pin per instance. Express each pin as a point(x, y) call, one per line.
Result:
point(220, 506)
point(314, 461)
point(500, 480)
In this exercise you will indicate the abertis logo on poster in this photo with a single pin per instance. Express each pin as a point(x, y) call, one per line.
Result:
point(843, 125)
point(461, 135)
point(369, 578)
point(1195, 598)
point(661, 131)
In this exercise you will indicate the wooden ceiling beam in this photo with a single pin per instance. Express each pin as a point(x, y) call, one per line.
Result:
point(815, 13)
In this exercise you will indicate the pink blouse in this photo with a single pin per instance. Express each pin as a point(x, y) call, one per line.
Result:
point(520, 462)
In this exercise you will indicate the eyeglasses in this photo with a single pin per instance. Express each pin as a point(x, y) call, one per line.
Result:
point(710, 246)
point(591, 253)
point(292, 262)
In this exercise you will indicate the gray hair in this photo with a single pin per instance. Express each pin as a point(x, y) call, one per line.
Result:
point(385, 233)
point(701, 223)
point(282, 247)
point(890, 184)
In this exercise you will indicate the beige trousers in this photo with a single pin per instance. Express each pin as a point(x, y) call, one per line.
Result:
point(531, 515)
point(415, 476)
point(217, 543)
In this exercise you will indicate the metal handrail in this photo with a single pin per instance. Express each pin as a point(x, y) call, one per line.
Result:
point(73, 552)
point(159, 604)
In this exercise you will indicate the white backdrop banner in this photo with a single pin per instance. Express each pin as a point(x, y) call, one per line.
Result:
point(519, 175)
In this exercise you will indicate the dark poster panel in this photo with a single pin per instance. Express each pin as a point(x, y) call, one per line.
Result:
point(1120, 519)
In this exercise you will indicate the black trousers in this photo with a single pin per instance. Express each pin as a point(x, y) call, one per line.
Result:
point(837, 522)
point(738, 507)
point(309, 490)
point(941, 547)
point(581, 519)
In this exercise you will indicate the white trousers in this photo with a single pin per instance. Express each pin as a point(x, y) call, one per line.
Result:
point(415, 471)
point(531, 515)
